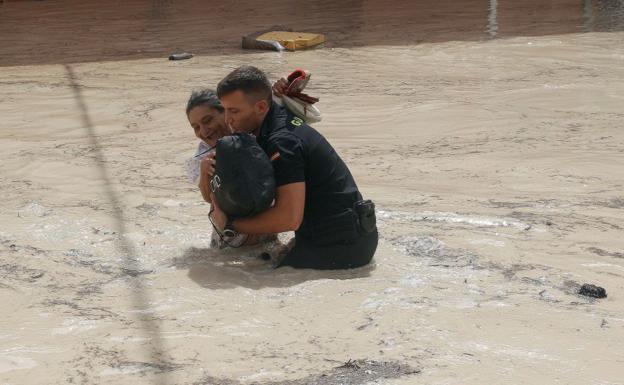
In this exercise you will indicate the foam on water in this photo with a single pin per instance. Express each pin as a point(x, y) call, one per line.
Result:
point(75, 326)
point(183, 334)
point(452, 218)
point(489, 242)
point(35, 209)
point(8, 364)
point(125, 369)
point(262, 374)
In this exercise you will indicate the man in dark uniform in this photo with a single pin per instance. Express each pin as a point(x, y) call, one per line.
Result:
point(316, 194)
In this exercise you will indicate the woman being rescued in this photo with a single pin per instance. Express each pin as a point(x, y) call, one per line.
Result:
point(207, 117)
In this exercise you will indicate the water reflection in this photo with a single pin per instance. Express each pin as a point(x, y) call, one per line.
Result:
point(595, 16)
point(492, 29)
point(608, 15)
point(588, 16)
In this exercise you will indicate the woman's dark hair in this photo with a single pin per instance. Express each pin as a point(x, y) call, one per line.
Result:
point(248, 79)
point(204, 97)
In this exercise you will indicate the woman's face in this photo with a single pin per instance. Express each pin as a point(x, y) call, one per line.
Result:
point(208, 123)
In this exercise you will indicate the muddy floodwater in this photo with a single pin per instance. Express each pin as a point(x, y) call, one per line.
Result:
point(490, 134)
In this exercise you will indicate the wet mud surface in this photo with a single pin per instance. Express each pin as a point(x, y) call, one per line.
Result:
point(353, 372)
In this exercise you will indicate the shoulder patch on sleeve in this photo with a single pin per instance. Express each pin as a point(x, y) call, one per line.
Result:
point(296, 121)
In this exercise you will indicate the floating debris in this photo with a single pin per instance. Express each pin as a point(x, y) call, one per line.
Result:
point(589, 290)
point(280, 38)
point(181, 56)
point(293, 41)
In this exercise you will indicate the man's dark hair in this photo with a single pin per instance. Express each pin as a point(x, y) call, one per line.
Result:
point(204, 97)
point(250, 80)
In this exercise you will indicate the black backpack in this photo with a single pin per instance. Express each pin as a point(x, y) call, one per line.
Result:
point(243, 183)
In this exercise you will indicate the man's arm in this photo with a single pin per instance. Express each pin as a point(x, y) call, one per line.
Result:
point(285, 215)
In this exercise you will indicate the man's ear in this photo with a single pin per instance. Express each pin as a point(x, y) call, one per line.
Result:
point(262, 106)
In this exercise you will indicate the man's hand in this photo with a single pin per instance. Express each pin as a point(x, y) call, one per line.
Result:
point(207, 165)
point(280, 87)
point(219, 219)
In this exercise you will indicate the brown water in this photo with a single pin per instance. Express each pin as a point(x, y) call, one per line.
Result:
point(489, 134)
point(43, 32)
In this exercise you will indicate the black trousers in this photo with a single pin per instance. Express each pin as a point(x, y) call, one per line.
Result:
point(307, 255)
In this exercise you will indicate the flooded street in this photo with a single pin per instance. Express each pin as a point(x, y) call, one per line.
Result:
point(489, 134)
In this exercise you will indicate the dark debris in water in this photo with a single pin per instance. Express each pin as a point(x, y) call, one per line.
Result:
point(13, 272)
point(605, 253)
point(589, 290)
point(352, 372)
point(135, 272)
point(12, 246)
point(83, 259)
point(114, 358)
point(73, 308)
point(615, 203)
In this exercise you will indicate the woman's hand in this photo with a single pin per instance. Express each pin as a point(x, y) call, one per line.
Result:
point(280, 87)
point(206, 171)
point(207, 165)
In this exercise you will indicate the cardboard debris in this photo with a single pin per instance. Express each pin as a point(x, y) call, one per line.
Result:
point(279, 38)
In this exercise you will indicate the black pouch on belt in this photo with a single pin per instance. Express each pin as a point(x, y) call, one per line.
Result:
point(365, 210)
point(337, 229)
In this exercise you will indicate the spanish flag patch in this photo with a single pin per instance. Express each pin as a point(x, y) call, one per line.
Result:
point(275, 156)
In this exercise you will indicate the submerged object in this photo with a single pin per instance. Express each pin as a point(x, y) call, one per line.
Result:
point(294, 41)
point(261, 44)
point(251, 41)
point(279, 38)
point(243, 183)
point(180, 56)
